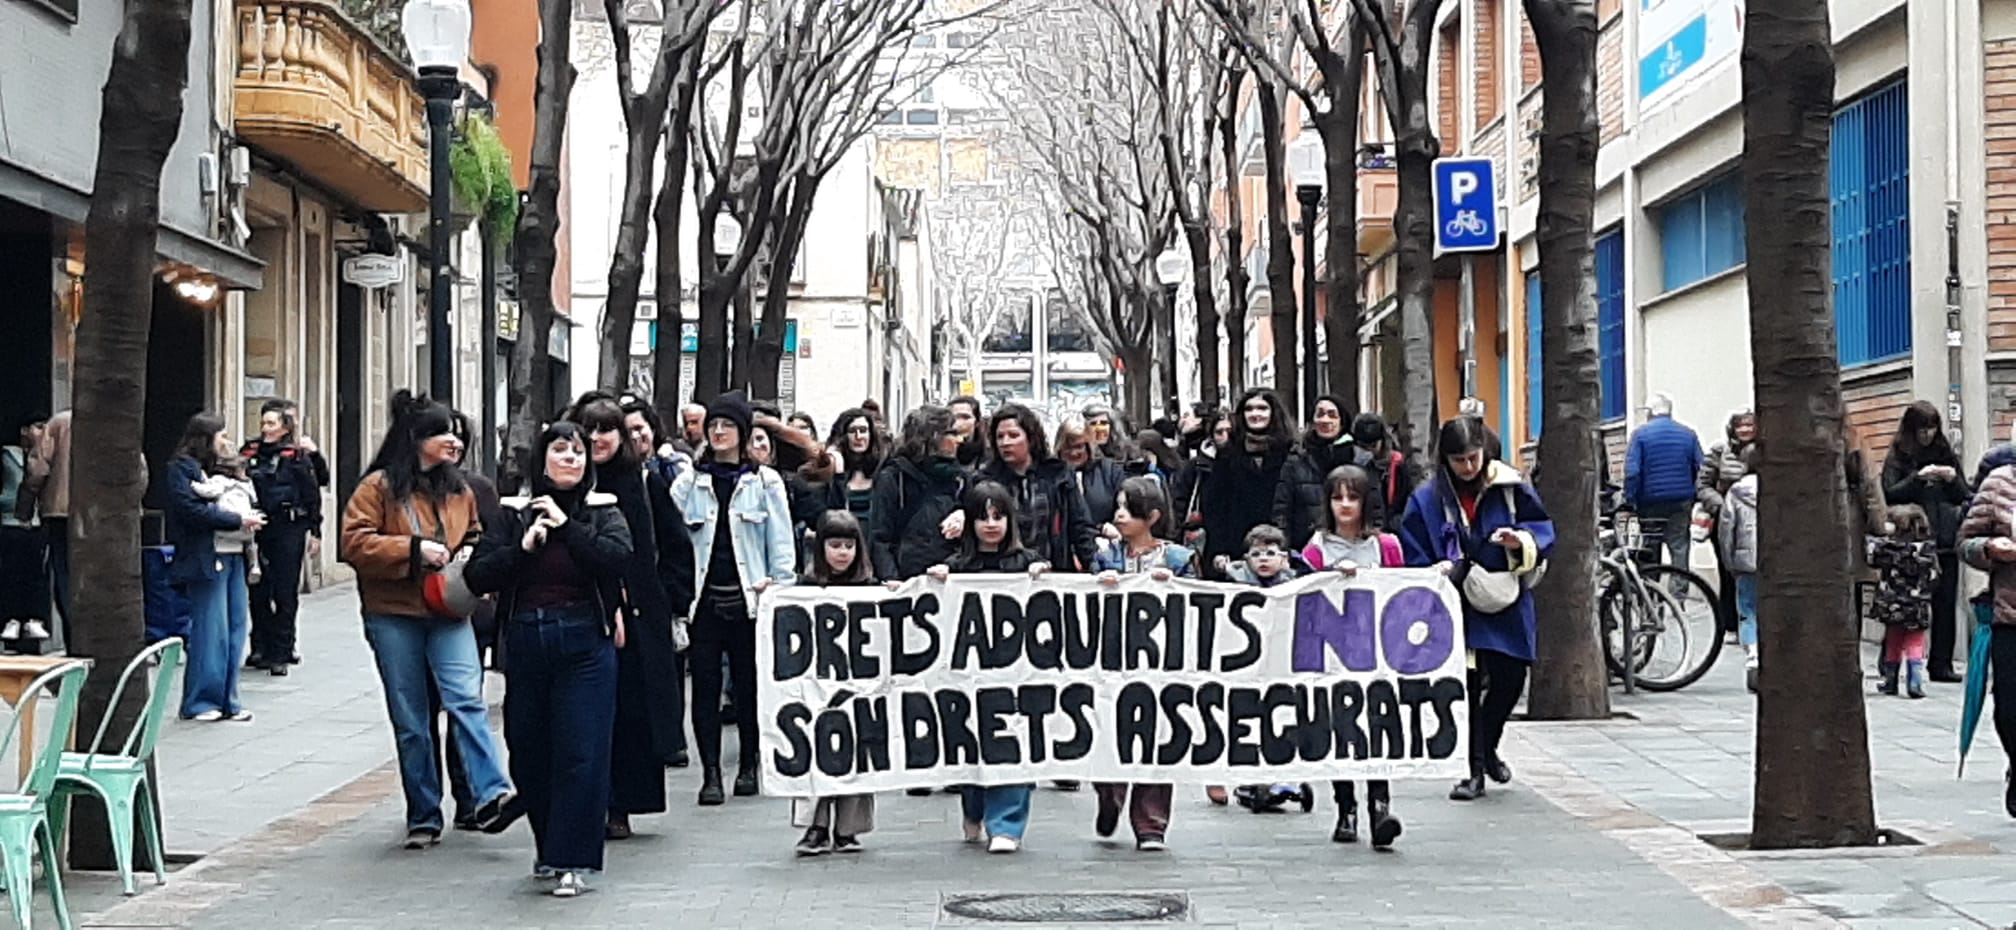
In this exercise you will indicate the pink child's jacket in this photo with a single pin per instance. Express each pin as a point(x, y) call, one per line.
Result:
point(1390, 555)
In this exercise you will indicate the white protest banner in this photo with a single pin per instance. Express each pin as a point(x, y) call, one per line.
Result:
point(1000, 679)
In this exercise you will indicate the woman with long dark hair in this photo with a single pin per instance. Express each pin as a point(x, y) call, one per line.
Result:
point(1299, 500)
point(647, 730)
point(558, 561)
point(405, 522)
point(1238, 492)
point(915, 492)
point(1050, 512)
point(738, 516)
point(209, 566)
point(1478, 515)
point(1922, 469)
point(861, 451)
point(291, 498)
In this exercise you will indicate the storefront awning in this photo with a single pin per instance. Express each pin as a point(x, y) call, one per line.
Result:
point(236, 269)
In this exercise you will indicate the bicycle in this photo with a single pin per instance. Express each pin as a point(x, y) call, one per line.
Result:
point(1467, 223)
point(1666, 618)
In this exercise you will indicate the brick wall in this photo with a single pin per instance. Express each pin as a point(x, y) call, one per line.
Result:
point(2001, 401)
point(1448, 96)
point(1610, 78)
point(1873, 406)
point(1526, 148)
point(1485, 66)
point(1529, 55)
point(2000, 78)
point(1491, 142)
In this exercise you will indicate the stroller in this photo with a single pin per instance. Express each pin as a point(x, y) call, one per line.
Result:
point(1269, 799)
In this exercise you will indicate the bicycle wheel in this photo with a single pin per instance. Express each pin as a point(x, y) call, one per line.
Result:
point(1681, 638)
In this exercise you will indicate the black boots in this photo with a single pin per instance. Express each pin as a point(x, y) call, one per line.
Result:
point(1385, 827)
point(745, 781)
point(710, 787)
point(1347, 826)
point(1469, 789)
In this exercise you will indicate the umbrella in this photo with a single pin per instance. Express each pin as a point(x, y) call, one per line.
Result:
point(1976, 692)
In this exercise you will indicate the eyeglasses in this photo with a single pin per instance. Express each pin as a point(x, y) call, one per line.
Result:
point(1268, 552)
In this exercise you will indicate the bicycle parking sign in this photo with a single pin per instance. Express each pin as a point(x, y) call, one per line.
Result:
point(1466, 205)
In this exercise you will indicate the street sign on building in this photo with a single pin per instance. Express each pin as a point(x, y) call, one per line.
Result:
point(1466, 205)
point(371, 271)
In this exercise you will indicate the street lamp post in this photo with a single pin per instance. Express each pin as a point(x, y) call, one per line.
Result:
point(727, 242)
point(1169, 269)
point(1305, 168)
point(437, 36)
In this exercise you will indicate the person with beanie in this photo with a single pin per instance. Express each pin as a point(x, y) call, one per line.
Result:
point(735, 560)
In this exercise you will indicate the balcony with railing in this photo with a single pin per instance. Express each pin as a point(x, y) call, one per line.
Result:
point(314, 90)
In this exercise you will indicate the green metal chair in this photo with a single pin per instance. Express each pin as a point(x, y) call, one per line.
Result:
point(119, 779)
point(24, 815)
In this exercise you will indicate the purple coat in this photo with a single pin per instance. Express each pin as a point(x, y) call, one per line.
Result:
point(1432, 532)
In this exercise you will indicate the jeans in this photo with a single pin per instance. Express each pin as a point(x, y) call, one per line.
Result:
point(216, 639)
point(1678, 534)
point(276, 599)
point(1495, 686)
point(718, 631)
point(451, 757)
point(1746, 609)
point(559, 714)
point(410, 651)
point(1002, 809)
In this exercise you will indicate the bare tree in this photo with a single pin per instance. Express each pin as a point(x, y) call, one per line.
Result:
point(1400, 41)
point(992, 221)
point(1236, 279)
point(1812, 781)
point(531, 390)
point(140, 114)
point(1570, 681)
point(676, 37)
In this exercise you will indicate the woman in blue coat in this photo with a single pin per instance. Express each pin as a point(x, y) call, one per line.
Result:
point(1479, 514)
point(209, 566)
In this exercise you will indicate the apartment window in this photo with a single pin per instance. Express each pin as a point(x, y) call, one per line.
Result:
point(1533, 366)
point(924, 41)
point(1701, 232)
point(1870, 184)
point(1610, 323)
point(961, 40)
point(921, 117)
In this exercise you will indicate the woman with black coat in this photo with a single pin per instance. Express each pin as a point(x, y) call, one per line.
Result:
point(915, 494)
point(1238, 494)
point(649, 726)
point(1299, 500)
point(557, 562)
point(1922, 469)
point(1099, 477)
point(1049, 510)
point(859, 447)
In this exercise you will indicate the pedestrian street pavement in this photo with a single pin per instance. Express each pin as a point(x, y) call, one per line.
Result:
point(296, 818)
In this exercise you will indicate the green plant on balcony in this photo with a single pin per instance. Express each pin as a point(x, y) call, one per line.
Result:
point(479, 169)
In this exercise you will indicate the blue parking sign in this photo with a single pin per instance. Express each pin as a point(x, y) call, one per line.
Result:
point(1466, 205)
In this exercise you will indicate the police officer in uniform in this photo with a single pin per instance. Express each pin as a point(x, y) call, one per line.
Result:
point(288, 474)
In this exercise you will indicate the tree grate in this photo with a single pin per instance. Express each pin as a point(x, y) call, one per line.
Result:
point(1082, 907)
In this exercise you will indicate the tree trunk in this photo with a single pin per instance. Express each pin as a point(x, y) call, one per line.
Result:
point(666, 394)
point(710, 364)
point(1236, 279)
point(1140, 365)
point(538, 226)
point(1339, 128)
point(140, 116)
point(1282, 303)
point(1812, 782)
point(1570, 681)
point(1201, 289)
point(767, 354)
point(1414, 229)
point(742, 330)
point(626, 267)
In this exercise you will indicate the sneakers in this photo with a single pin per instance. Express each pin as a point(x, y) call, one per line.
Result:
point(815, 842)
point(846, 844)
point(208, 716)
point(34, 629)
point(11, 631)
point(974, 833)
point(571, 885)
point(498, 812)
point(1469, 789)
point(1152, 842)
point(422, 839)
point(242, 716)
point(1002, 845)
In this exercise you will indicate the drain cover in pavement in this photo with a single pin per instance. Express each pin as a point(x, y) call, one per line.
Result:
point(1049, 908)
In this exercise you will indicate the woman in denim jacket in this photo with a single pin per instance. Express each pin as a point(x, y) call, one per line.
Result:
point(737, 555)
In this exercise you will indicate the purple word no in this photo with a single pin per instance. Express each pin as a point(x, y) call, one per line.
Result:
point(1350, 634)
